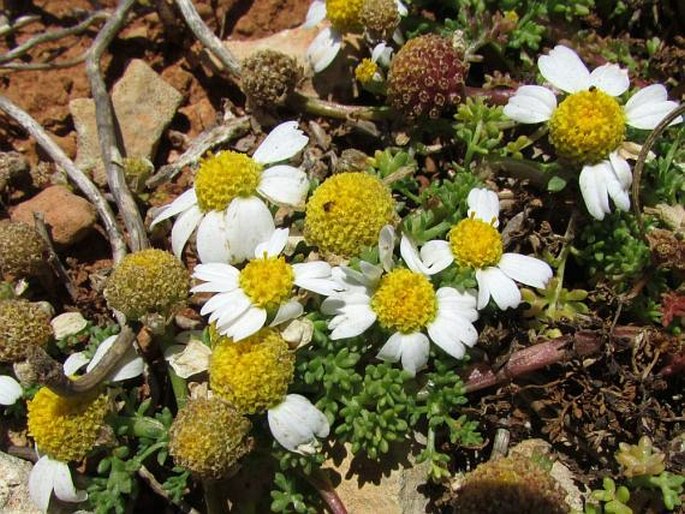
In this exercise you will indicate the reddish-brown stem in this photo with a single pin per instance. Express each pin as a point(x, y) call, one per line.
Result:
point(319, 479)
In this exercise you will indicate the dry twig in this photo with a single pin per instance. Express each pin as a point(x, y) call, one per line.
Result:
point(93, 194)
point(109, 143)
point(207, 37)
point(53, 258)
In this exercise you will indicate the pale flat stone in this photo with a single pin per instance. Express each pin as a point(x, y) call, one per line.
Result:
point(144, 105)
point(14, 489)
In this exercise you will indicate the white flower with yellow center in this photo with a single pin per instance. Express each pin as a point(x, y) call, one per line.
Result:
point(224, 204)
point(263, 288)
point(404, 302)
point(589, 125)
point(344, 16)
point(475, 242)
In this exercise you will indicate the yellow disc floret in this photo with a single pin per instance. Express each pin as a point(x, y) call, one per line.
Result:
point(208, 437)
point(365, 71)
point(66, 429)
point(223, 177)
point(587, 126)
point(253, 374)
point(347, 212)
point(404, 301)
point(267, 281)
point(345, 15)
point(475, 243)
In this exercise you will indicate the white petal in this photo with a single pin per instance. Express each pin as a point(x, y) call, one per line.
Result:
point(531, 104)
point(351, 322)
point(381, 54)
point(443, 333)
point(415, 348)
point(484, 204)
point(211, 242)
point(564, 70)
point(386, 246)
point(74, 362)
point(316, 277)
point(611, 79)
point(283, 142)
point(41, 482)
point(410, 255)
point(593, 187)
point(391, 351)
point(436, 255)
point(227, 307)
point(10, 390)
point(284, 185)
point(336, 304)
point(274, 245)
point(250, 322)
point(217, 272)
point(504, 290)
point(401, 8)
point(646, 108)
point(64, 486)
point(248, 223)
point(287, 311)
point(315, 14)
point(525, 269)
point(621, 169)
point(295, 424)
point(190, 359)
point(181, 203)
point(314, 269)
point(462, 304)
point(183, 228)
point(323, 49)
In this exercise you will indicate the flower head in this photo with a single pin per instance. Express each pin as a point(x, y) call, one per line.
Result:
point(346, 213)
point(253, 375)
point(66, 428)
point(208, 436)
point(22, 324)
point(404, 302)
point(225, 204)
point(348, 16)
point(245, 298)
point(589, 125)
point(146, 282)
point(475, 242)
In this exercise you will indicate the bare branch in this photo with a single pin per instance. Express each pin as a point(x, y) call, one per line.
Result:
point(54, 259)
point(18, 23)
point(206, 141)
point(52, 36)
point(109, 143)
point(207, 37)
point(93, 194)
point(33, 66)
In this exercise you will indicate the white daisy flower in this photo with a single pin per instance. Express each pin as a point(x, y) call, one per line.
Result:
point(345, 16)
point(245, 298)
point(50, 475)
point(296, 424)
point(404, 302)
point(225, 204)
point(475, 242)
point(589, 125)
point(10, 390)
point(130, 366)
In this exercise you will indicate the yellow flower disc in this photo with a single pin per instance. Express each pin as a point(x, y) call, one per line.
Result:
point(267, 281)
point(66, 429)
point(252, 374)
point(475, 243)
point(347, 212)
point(345, 15)
point(365, 71)
point(223, 177)
point(587, 126)
point(404, 301)
point(208, 436)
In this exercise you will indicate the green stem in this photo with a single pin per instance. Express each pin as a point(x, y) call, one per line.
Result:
point(141, 426)
point(214, 499)
point(179, 387)
point(471, 147)
point(339, 111)
point(437, 230)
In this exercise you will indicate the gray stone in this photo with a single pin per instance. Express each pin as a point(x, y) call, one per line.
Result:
point(144, 105)
point(14, 489)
